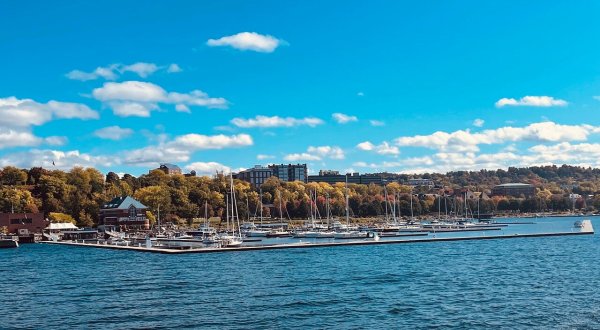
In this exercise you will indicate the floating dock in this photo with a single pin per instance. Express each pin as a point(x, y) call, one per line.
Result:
point(305, 245)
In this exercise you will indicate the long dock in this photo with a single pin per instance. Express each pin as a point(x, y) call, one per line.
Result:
point(315, 245)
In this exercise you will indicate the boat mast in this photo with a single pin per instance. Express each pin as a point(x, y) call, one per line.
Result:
point(206, 214)
point(385, 196)
point(412, 216)
point(227, 210)
point(347, 203)
point(280, 207)
point(158, 218)
point(261, 208)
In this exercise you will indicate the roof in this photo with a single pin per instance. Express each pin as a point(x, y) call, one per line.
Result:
point(515, 185)
point(61, 226)
point(170, 166)
point(123, 203)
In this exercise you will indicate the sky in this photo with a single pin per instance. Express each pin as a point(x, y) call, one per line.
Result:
point(361, 86)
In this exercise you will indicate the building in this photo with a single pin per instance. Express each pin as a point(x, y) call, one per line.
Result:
point(290, 172)
point(333, 177)
point(256, 175)
point(170, 169)
point(420, 183)
point(124, 213)
point(514, 189)
point(16, 223)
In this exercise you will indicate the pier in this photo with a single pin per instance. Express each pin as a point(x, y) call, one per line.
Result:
point(304, 245)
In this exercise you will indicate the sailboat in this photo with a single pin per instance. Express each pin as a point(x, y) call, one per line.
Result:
point(226, 239)
point(253, 231)
point(279, 232)
point(347, 233)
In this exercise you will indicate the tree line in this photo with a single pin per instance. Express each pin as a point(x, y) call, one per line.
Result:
point(77, 195)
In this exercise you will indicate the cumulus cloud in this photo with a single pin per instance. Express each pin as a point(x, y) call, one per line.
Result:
point(113, 133)
point(207, 168)
point(478, 122)
point(383, 149)
point(317, 153)
point(173, 68)
point(27, 112)
point(343, 118)
point(376, 123)
point(275, 121)
point(465, 140)
point(115, 70)
point(182, 147)
point(138, 98)
point(532, 101)
point(17, 116)
point(62, 159)
point(248, 41)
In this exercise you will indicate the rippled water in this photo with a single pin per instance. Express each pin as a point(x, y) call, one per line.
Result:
point(540, 283)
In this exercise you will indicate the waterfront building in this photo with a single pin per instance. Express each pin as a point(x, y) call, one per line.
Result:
point(290, 172)
point(420, 183)
point(333, 177)
point(169, 169)
point(124, 213)
point(256, 175)
point(15, 223)
point(514, 189)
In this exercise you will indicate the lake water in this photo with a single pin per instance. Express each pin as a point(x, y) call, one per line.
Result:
point(551, 282)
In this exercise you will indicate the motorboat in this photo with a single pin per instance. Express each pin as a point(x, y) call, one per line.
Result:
point(349, 235)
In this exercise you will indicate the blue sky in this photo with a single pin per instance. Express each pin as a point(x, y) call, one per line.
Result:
point(347, 85)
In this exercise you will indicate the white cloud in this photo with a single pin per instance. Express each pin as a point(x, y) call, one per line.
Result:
point(142, 69)
point(317, 153)
point(478, 122)
point(301, 157)
point(26, 112)
point(138, 98)
point(182, 108)
point(343, 118)
point(181, 147)
point(263, 157)
point(56, 140)
point(207, 168)
point(464, 140)
point(14, 138)
point(383, 149)
point(17, 116)
point(113, 71)
point(248, 41)
point(62, 159)
point(132, 109)
point(532, 101)
point(376, 123)
point(137, 91)
point(174, 68)
point(275, 121)
point(113, 133)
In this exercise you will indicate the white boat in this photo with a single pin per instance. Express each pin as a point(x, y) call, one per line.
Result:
point(280, 232)
point(350, 235)
point(256, 233)
point(324, 234)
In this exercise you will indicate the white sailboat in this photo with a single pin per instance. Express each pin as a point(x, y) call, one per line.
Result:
point(235, 238)
point(347, 233)
point(253, 231)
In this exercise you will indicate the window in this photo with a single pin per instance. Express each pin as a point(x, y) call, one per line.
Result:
point(132, 212)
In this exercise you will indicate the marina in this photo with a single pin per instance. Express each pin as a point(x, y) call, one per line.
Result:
point(165, 246)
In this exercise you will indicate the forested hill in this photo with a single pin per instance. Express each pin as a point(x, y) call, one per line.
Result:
point(78, 193)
